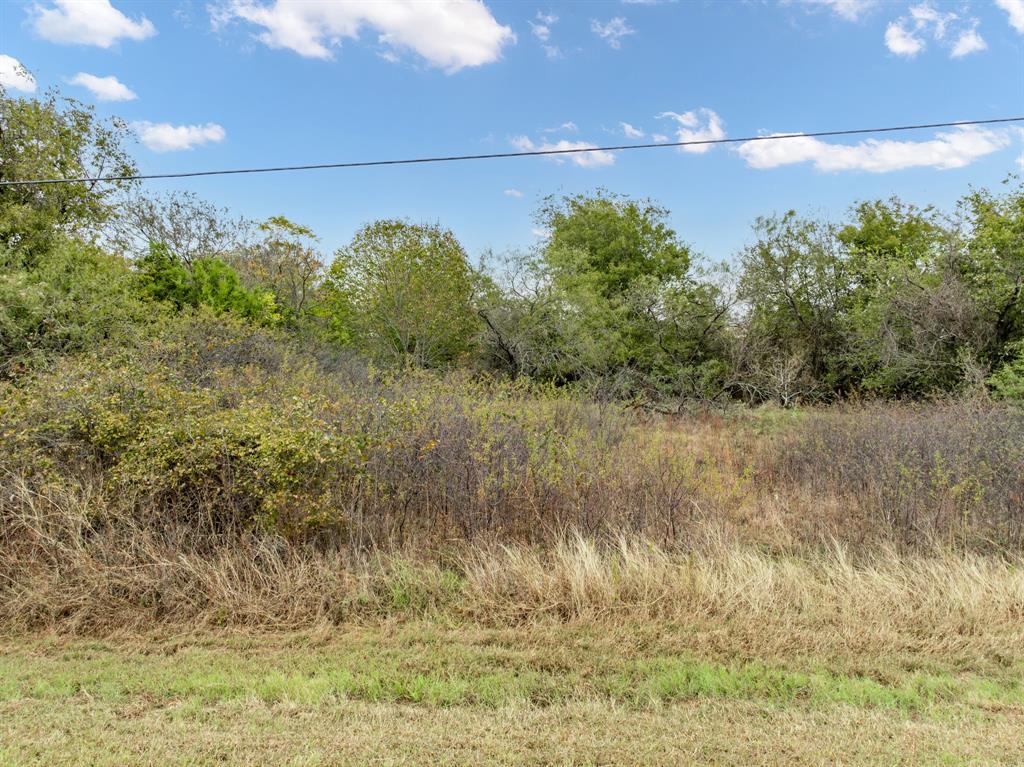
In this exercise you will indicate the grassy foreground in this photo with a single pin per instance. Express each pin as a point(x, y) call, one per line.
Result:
point(443, 690)
point(585, 652)
point(429, 692)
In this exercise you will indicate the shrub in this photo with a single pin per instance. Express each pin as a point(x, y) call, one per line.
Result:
point(1008, 382)
point(952, 472)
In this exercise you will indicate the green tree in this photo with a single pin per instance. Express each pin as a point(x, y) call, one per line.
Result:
point(912, 323)
point(286, 262)
point(72, 297)
point(795, 288)
point(994, 265)
point(609, 300)
point(53, 137)
point(207, 282)
point(403, 293)
point(606, 243)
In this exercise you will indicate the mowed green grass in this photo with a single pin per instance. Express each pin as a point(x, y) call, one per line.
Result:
point(433, 692)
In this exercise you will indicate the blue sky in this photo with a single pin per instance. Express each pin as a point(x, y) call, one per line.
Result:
point(234, 83)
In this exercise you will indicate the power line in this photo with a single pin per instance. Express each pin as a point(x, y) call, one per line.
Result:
point(502, 155)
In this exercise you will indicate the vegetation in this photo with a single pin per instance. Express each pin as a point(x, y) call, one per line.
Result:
point(584, 484)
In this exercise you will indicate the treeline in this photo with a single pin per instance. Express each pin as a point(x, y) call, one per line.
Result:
point(895, 301)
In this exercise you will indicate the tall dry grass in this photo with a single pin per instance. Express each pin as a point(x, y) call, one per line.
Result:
point(59, 570)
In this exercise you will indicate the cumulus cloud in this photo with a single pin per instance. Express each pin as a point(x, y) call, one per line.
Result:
point(967, 43)
point(612, 31)
point(1015, 10)
point(901, 41)
point(595, 159)
point(512, 193)
point(450, 36)
point(14, 75)
point(951, 149)
point(908, 35)
point(630, 132)
point(88, 22)
point(697, 125)
point(104, 88)
point(164, 137)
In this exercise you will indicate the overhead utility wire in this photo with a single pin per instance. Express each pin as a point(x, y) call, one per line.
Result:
point(501, 155)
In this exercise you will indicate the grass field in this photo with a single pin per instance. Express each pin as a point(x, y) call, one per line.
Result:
point(429, 692)
point(621, 654)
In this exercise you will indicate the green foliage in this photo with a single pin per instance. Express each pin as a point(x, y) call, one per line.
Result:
point(286, 263)
point(53, 137)
point(1008, 381)
point(605, 243)
point(74, 297)
point(206, 282)
point(403, 293)
point(609, 302)
point(994, 267)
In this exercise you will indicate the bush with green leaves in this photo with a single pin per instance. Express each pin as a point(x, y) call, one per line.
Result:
point(207, 281)
point(403, 294)
point(73, 297)
point(1008, 381)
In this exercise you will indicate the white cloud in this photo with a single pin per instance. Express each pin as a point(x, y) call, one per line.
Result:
point(88, 22)
point(969, 42)
point(14, 75)
point(164, 137)
point(1015, 10)
point(542, 29)
point(612, 31)
point(697, 125)
point(512, 193)
point(450, 35)
point(952, 149)
point(851, 10)
point(1020, 161)
point(595, 159)
point(659, 138)
point(901, 41)
point(908, 35)
point(630, 132)
point(569, 127)
point(104, 88)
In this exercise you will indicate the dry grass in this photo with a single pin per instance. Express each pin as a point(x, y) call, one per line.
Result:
point(359, 733)
point(61, 573)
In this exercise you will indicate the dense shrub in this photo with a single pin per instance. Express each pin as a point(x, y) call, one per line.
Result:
point(214, 424)
point(71, 298)
point(951, 472)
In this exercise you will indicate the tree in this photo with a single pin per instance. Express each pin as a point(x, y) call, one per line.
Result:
point(912, 323)
point(607, 242)
point(285, 262)
point(402, 292)
point(608, 300)
point(206, 282)
point(794, 287)
point(72, 297)
point(189, 227)
point(994, 266)
point(54, 137)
